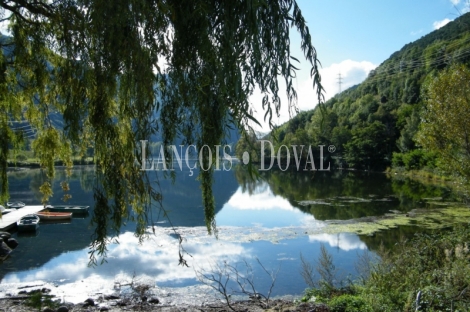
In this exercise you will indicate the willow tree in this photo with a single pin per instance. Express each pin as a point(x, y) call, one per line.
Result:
point(109, 66)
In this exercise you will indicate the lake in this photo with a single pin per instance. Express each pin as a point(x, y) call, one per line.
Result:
point(264, 226)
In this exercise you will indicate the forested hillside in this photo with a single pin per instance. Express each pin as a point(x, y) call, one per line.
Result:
point(376, 121)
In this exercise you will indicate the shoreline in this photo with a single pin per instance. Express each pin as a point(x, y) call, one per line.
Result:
point(19, 300)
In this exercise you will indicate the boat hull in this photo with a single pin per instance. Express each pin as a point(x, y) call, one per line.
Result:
point(28, 223)
point(52, 216)
point(15, 205)
point(75, 210)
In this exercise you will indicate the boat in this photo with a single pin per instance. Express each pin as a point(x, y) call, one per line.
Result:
point(76, 210)
point(28, 223)
point(4, 210)
point(49, 215)
point(16, 204)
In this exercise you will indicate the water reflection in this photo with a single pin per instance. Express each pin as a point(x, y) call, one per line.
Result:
point(154, 262)
point(260, 207)
point(343, 195)
point(155, 258)
point(251, 216)
point(343, 241)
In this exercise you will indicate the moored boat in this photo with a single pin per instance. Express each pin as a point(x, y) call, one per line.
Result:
point(4, 210)
point(16, 204)
point(49, 215)
point(76, 210)
point(28, 223)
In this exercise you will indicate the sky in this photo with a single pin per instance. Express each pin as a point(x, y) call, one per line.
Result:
point(353, 37)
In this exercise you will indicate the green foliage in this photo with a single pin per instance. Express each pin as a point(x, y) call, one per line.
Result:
point(339, 299)
point(415, 160)
point(38, 300)
point(437, 265)
point(99, 65)
point(368, 147)
point(410, 119)
point(446, 126)
point(434, 265)
point(249, 143)
point(326, 268)
point(397, 160)
point(348, 303)
point(381, 116)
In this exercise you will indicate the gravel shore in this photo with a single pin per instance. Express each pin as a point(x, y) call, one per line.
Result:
point(19, 305)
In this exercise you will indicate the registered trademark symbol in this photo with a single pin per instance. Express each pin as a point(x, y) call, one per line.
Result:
point(331, 148)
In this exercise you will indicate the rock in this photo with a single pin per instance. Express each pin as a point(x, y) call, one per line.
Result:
point(5, 236)
point(45, 290)
point(104, 309)
point(111, 297)
point(89, 302)
point(4, 249)
point(154, 300)
point(47, 309)
point(255, 297)
point(12, 243)
point(144, 298)
point(63, 309)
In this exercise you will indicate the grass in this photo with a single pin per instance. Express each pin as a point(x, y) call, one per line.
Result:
point(38, 300)
point(434, 268)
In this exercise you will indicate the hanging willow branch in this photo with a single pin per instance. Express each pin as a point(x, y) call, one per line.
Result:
point(121, 71)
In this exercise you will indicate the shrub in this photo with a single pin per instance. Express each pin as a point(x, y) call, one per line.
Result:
point(435, 264)
point(348, 303)
point(397, 160)
point(415, 160)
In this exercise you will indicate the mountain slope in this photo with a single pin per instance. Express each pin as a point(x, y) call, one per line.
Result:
point(371, 121)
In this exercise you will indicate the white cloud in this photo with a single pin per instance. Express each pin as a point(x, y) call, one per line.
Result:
point(439, 24)
point(352, 73)
point(455, 2)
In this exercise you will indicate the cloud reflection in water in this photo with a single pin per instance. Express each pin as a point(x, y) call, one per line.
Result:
point(344, 241)
point(261, 208)
point(155, 259)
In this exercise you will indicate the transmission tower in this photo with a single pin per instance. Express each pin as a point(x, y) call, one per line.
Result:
point(339, 82)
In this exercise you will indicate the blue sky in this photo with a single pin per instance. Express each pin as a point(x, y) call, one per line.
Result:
point(354, 36)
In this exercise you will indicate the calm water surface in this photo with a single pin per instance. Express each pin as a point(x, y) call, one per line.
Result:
point(264, 219)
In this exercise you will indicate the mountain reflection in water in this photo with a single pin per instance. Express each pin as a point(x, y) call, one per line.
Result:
point(263, 219)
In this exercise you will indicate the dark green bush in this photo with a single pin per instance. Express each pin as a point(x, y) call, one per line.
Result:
point(415, 160)
point(348, 303)
point(397, 160)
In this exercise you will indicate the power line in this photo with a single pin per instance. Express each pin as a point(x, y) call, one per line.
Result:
point(383, 73)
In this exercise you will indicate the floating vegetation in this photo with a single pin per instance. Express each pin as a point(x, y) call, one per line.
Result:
point(425, 218)
point(383, 199)
point(437, 203)
point(341, 200)
point(432, 198)
point(353, 200)
point(314, 202)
